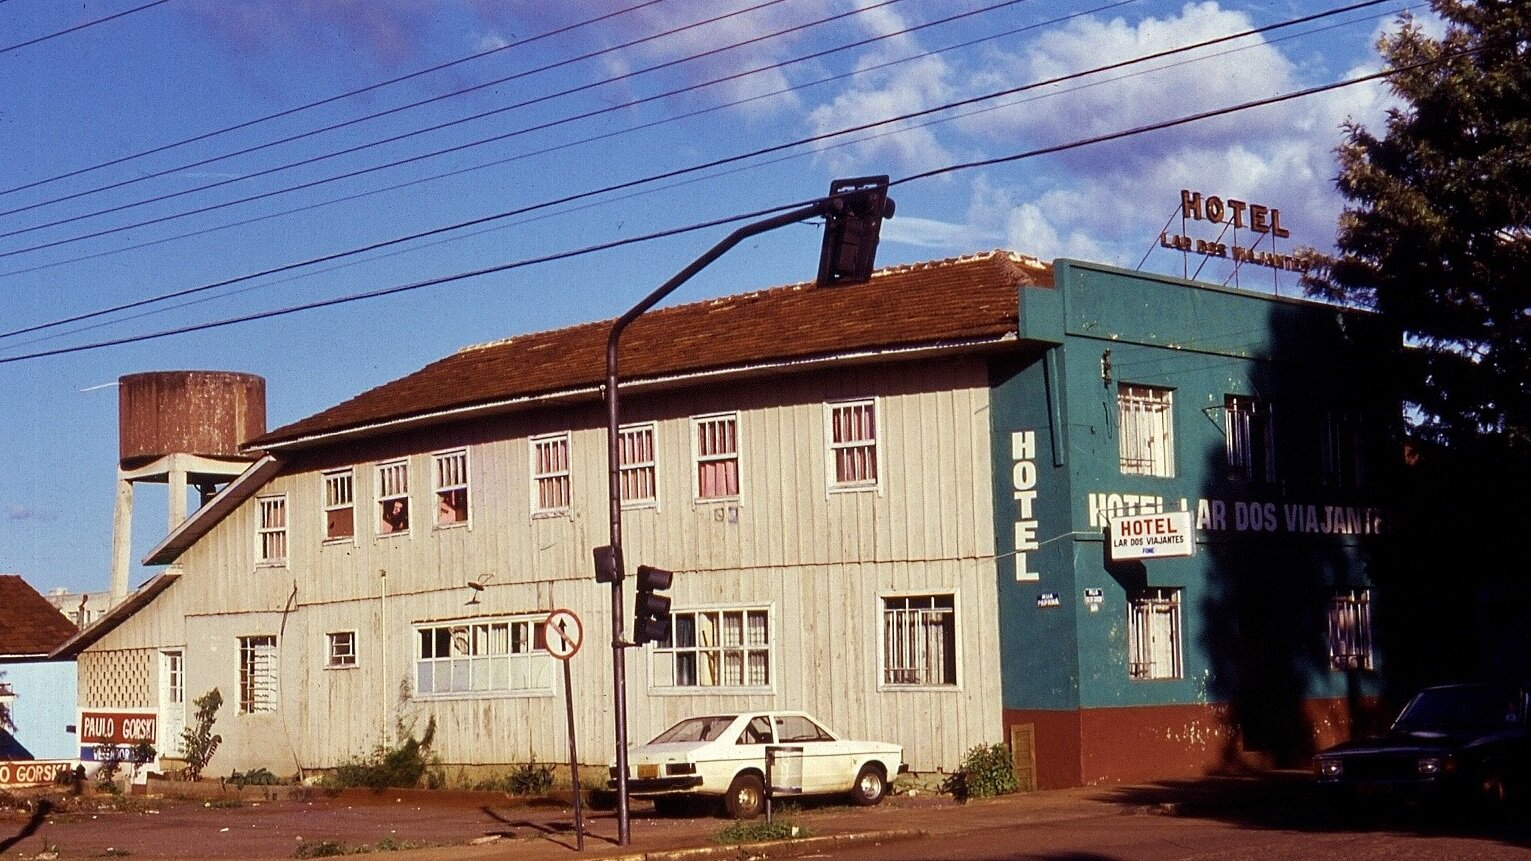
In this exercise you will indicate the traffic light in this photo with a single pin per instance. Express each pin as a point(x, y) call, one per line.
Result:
point(608, 566)
point(851, 229)
point(651, 612)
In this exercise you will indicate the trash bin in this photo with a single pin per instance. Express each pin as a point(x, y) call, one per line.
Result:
point(783, 772)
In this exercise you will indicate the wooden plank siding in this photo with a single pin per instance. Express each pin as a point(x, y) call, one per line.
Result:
point(818, 560)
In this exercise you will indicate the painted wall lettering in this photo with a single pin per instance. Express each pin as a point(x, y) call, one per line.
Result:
point(1246, 515)
point(1023, 481)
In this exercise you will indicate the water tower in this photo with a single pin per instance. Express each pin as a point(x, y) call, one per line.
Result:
point(184, 429)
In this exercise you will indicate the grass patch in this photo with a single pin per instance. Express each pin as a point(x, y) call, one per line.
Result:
point(761, 831)
point(336, 848)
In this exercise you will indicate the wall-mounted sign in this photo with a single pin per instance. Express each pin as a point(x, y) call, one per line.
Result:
point(1263, 222)
point(1150, 536)
point(1093, 598)
point(34, 772)
point(1048, 599)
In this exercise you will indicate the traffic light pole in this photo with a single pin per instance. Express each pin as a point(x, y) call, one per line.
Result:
point(850, 258)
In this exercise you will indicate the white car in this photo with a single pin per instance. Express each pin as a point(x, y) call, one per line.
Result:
point(724, 756)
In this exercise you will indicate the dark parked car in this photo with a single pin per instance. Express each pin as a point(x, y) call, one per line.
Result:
point(1450, 743)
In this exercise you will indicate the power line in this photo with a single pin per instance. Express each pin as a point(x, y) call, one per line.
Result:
point(680, 171)
point(78, 27)
point(330, 99)
point(949, 169)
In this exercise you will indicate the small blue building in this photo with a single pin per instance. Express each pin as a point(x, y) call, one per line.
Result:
point(39, 693)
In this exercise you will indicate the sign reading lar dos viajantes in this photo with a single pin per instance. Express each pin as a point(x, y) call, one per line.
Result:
point(1259, 220)
point(1151, 536)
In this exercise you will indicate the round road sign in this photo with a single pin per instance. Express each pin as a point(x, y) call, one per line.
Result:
point(563, 633)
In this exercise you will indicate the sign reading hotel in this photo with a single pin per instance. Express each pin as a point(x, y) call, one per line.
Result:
point(1150, 536)
point(1263, 221)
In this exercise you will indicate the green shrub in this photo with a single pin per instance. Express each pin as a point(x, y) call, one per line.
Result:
point(760, 831)
point(987, 771)
point(198, 740)
point(404, 766)
point(530, 779)
point(254, 777)
point(320, 849)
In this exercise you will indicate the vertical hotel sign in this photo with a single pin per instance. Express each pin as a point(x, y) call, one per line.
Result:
point(1023, 483)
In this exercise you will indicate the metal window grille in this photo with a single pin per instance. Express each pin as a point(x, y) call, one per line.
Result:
point(1153, 635)
point(1248, 440)
point(1340, 449)
point(339, 504)
point(718, 648)
point(920, 640)
point(342, 649)
point(550, 474)
point(1350, 631)
point(393, 497)
point(635, 453)
point(451, 478)
point(853, 444)
point(717, 457)
point(257, 674)
point(1145, 431)
point(483, 657)
point(273, 529)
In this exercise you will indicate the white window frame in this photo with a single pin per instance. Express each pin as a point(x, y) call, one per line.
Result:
point(707, 452)
point(258, 690)
point(340, 650)
point(859, 453)
point(1145, 430)
point(338, 487)
point(552, 484)
point(482, 657)
point(638, 465)
point(734, 660)
point(449, 480)
point(1155, 635)
point(1249, 437)
point(271, 536)
point(900, 655)
point(1350, 631)
point(173, 700)
point(392, 485)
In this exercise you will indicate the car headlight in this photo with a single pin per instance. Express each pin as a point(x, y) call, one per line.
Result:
point(1329, 767)
point(1429, 766)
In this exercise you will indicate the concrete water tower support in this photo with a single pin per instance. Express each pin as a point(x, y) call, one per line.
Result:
point(183, 429)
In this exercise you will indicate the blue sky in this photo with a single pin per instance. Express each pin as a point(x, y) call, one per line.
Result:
point(74, 241)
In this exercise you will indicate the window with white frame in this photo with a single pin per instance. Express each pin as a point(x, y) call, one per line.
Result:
point(393, 497)
point(1248, 438)
point(339, 504)
point(450, 473)
point(919, 640)
point(716, 450)
point(1350, 631)
point(1153, 634)
point(552, 489)
point(257, 674)
point(715, 649)
point(272, 533)
point(482, 656)
point(340, 649)
point(635, 459)
point(1145, 430)
point(852, 444)
point(1340, 449)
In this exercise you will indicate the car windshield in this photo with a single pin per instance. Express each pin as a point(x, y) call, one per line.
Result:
point(1468, 706)
point(696, 729)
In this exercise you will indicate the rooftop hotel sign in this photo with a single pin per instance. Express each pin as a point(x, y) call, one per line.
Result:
point(1264, 222)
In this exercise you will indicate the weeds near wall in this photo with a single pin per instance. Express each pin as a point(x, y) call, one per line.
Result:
point(987, 771)
point(404, 766)
point(198, 740)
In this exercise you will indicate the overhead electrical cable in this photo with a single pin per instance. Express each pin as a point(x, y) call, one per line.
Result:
point(331, 99)
point(677, 172)
point(78, 27)
point(949, 169)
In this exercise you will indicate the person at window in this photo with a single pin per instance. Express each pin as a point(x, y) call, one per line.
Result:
point(395, 515)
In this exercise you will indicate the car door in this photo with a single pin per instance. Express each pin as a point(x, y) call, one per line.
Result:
point(825, 765)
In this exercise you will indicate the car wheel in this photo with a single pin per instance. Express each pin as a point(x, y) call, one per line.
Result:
point(870, 787)
point(746, 797)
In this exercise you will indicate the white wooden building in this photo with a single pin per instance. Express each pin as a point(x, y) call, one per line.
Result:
point(814, 464)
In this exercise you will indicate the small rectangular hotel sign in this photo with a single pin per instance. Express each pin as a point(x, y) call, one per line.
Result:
point(1151, 536)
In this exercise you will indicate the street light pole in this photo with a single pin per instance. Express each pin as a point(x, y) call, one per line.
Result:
point(872, 205)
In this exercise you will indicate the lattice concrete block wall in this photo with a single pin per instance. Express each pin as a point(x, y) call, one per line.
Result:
point(118, 679)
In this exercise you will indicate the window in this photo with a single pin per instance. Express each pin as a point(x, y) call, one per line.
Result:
point(1340, 449)
point(1248, 438)
point(717, 456)
point(551, 489)
point(635, 458)
point(393, 497)
point(919, 640)
point(1153, 634)
point(1146, 441)
point(339, 505)
point(340, 649)
point(1350, 631)
point(257, 674)
point(272, 537)
point(483, 657)
point(715, 649)
point(451, 475)
point(852, 445)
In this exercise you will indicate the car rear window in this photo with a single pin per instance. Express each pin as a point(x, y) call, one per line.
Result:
point(696, 729)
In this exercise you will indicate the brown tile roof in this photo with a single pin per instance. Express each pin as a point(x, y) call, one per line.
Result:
point(907, 306)
point(29, 625)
